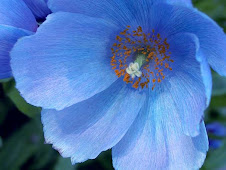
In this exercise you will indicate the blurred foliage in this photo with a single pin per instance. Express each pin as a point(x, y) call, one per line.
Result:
point(21, 104)
point(216, 9)
point(21, 136)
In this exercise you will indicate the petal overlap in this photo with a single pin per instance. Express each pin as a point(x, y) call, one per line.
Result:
point(169, 20)
point(153, 142)
point(120, 12)
point(184, 93)
point(15, 13)
point(117, 11)
point(8, 37)
point(87, 128)
point(39, 8)
point(59, 68)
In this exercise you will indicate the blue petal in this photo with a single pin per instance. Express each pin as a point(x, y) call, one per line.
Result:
point(122, 12)
point(183, 93)
point(168, 20)
point(65, 62)
point(16, 13)
point(85, 129)
point(187, 3)
point(8, 37)
point(154, 142)
point(206, 75)
point(39, 8)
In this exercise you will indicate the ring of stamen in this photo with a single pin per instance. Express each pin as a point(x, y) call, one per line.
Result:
point(140, 57)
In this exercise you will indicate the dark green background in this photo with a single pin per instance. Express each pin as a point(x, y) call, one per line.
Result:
point(21, 137)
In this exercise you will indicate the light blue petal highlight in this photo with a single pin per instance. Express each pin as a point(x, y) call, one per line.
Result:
point(206, 75)
point(182, 94)
point(39, 8)
point(16, 13)
point(65, 62)
point(169, 20)
point(85, 129)
point(154, 142)
point(8, 37)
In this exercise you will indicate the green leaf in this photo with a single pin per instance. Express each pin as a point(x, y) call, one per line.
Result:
point(21, 104)
point(5, 80)
point(216, 158)
point(1, 143)
point(18, 148)
point(214, 9)
point(45, 157)
point(103, 161)
point(64, 163)
point(3, 111)
point(219, 85)
point(218, 101)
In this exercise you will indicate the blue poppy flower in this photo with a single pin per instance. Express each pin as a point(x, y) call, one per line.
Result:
point(215, 143)
point(129, 75)
point(16, 21)
point(218, 130)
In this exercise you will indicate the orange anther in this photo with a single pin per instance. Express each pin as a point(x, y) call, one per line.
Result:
point(126, 78)
point(142, 85)
point(153, 87)
point(118, 73)
point(166, 65)
point(118, 38)
point(136, 84)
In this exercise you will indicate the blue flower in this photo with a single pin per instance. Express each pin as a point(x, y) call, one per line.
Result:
point(129, 75)
point(218, 130)
point(215, 143)
point(16, 21)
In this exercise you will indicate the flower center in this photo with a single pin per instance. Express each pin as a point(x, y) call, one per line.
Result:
point(141, 58)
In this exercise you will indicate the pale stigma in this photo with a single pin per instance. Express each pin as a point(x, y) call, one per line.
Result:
point(134, 70)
